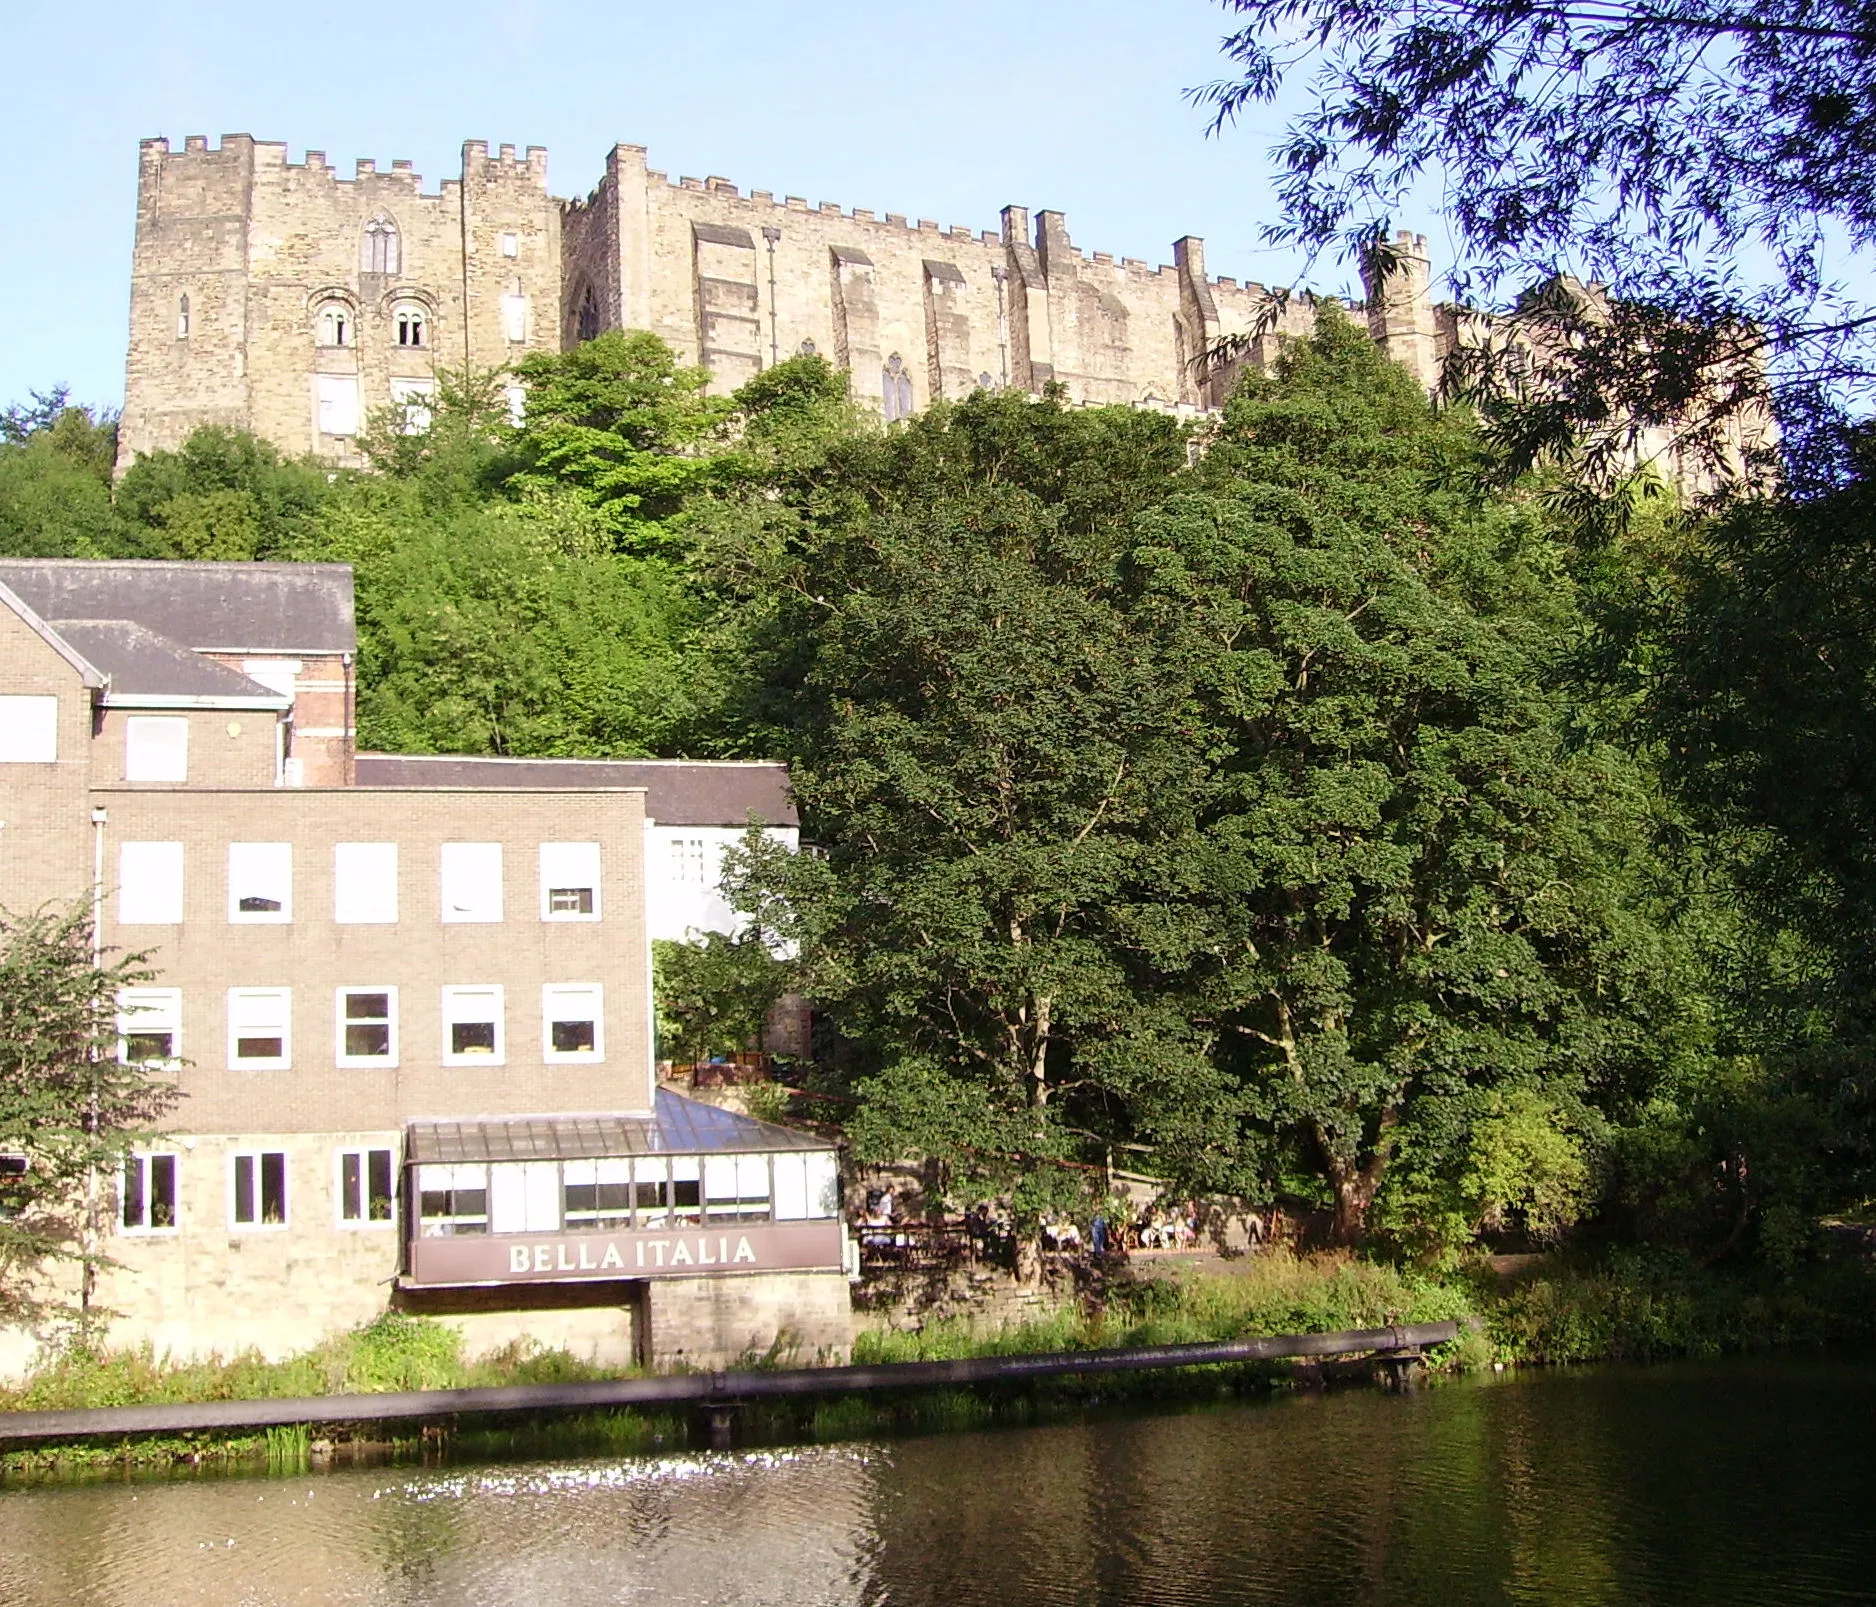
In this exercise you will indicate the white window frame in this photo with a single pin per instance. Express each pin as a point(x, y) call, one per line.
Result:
point(145, 1229)
point(335, 405)
point(569, 867)
point(365, 1223)
point(341, 1021)
point(156, 747)
point(455, 997)
point(556, 999)
point(29, 728)
point(416, 401)
point(689, 860)
point(240, 997)
point(149, 884)
point(364, 884)
point(515, 318)
point(160, 1010)
point(466, 868)
point(261, 1224)
point(260, 870)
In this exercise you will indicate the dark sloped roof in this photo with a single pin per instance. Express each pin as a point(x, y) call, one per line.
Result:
point(679, 792)
point(141, 663)
point(680, 1127)
point(227, 607)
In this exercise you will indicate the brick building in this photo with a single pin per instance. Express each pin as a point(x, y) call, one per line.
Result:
point(406, 1002)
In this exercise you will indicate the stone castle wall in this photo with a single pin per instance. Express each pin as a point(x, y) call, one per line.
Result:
point(263, 249)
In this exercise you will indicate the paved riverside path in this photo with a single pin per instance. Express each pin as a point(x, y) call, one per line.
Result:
point(700, 1389)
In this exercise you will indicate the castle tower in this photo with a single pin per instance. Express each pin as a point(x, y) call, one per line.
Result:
point(283, 299)
point(1400, 305)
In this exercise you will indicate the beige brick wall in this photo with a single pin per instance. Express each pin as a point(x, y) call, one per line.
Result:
point(207, 954)
point(45, 846)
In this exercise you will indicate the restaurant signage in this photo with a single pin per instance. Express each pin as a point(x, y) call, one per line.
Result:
point(565, 1257)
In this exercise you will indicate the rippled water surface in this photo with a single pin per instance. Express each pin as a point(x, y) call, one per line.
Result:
point(1738, 1483)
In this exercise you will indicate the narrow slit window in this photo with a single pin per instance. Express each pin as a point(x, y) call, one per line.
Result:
point(381, 253)
point(472, 1026)
point(147, 1194)
point(569, 881)
point(367, 1191)
point(258, 1189)
point(573, 1018)
point(149, 1027)
point(895, 386)
point(260, 1029)
point(367, 1027)
point(260, 882)
point(182, 319)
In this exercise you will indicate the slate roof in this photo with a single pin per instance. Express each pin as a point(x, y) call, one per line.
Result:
point(209, 607)
point(141, 663)
point(679, 792)
point(680, 1126)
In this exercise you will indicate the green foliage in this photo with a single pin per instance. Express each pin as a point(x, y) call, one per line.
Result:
point(223, 494)
point(55, 481)
point(67, 1105)
point(714, 993)
point(619, 423)
point(510, 629)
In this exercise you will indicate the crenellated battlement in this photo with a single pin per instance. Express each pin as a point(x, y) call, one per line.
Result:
point(239, 249)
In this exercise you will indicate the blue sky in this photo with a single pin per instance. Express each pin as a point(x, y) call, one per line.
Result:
point(948, 109)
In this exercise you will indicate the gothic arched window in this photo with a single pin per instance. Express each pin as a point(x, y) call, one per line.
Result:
point(334, 326)
point(182, 319)
point(411, 327)
point(589, 315)
point(381, 253)
point(895, 389)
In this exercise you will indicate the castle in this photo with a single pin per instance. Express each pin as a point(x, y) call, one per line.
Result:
point(281, 298)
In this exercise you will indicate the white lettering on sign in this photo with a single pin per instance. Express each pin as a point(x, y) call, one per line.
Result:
point(584, 1255)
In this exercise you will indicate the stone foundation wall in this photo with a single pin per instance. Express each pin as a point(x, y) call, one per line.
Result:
point(714, 1322)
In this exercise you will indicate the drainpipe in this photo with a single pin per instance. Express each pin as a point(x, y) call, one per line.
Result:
point(772, 234)
point(89, 1271)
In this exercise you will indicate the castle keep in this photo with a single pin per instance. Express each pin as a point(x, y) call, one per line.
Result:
point(281, 298)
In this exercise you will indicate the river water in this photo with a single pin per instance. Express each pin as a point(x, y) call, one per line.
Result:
point(1730, 1483)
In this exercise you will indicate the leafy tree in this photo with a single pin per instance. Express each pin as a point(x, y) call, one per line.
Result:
point(714, 994)
point(979, 744)
point(68, 1107)
point(620, 423)
point(55, 481)
point(1711, 164)
point(1418, 901)
point(224, 494)
point(497, 628)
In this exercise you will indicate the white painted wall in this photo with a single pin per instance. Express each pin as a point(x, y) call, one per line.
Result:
point(684, 874)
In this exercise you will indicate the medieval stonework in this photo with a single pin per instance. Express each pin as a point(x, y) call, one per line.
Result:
point(281, 298)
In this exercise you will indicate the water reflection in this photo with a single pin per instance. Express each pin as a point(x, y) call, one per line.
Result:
point(1747, 1483)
